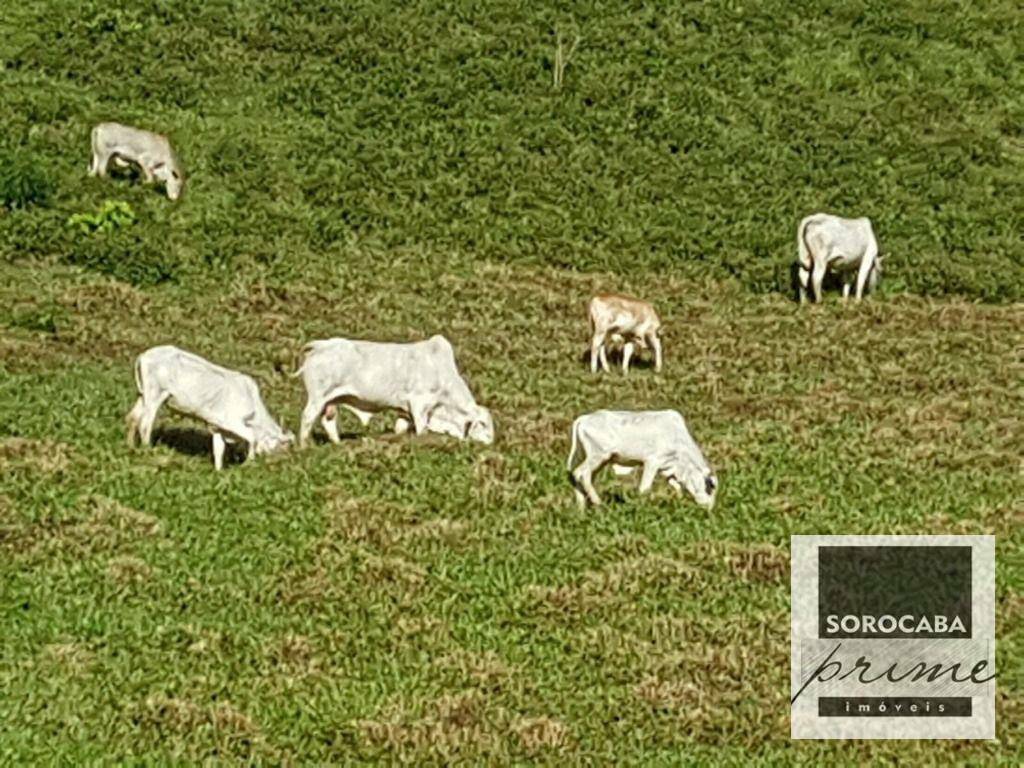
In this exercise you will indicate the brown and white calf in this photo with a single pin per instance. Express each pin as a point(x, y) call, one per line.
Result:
point(624, 320)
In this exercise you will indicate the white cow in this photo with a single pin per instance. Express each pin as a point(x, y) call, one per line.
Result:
point(657, 441)
point(622, 320)
point(150, 151)
point(418, 379)
point(827, 243)
point(228, 401)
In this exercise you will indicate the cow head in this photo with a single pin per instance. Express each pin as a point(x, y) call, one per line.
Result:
point(270, 437)
point(172, 177)
point(480, 426)
point(274, 443)
point(699, 481)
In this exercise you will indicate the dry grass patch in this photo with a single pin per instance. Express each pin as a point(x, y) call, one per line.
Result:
point(543, 734)
point(295, 656)
point(309, 586)
point(992, 520)
point(459, 726)
point(97, 524)
point(361, 521)
point(73, 658)
point(621, 581)
point(127, 570)
point(441, 529)
point(726, 687)
point(103, 298)
point(47, 457)
point(752, 562)
point(220, 730)
point(485, 670)
point(420, 628)
point(390, 572)
point(381, 525)
point(668, 694)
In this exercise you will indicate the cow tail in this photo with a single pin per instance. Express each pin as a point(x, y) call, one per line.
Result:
point(138, 374)
point(305, 354)
point(803, 249)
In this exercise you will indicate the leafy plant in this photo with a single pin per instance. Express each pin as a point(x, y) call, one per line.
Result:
point(125, 256)
point(112, 215)
point(45, 317)
point(23, 182)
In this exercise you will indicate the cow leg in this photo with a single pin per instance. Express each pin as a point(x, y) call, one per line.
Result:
point(803, 279)
point(309, 416)
point(150, 408)
point(647, 478)
point(146, 165)
point(627, 353)
point(100, 161)
point(581, 499)
point(604, 359)
point(363, 416)
point(846, 289)
point(218, 451)
point(419, 410)
point(329, 421)
point(596, 350)
point(655, 343)
point(817, 278)
point(584, 477)
point(132, 420)
point(866, 265)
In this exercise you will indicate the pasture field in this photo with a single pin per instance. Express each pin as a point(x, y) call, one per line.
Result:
point(396, 170)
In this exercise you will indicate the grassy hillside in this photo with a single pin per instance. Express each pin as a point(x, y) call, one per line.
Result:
point(686, 137)
point(392, 171)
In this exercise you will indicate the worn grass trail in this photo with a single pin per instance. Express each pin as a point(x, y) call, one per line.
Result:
point(425, 600)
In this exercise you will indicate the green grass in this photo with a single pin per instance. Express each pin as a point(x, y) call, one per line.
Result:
point(395, 170)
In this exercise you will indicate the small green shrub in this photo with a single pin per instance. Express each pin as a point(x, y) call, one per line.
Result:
point(107, 243)
point(45, 318)
point(112, 215)
point(126, 256)
point(23, 182)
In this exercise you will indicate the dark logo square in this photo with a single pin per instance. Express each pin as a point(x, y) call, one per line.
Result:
point(894, 592)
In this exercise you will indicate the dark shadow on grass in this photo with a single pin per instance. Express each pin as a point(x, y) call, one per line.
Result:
point(196, 442)
point(191, 442)
point(320, 438)
point(832, 283)
point(132, 176)
point(643, 359)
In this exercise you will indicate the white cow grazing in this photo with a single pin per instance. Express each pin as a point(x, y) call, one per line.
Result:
point(418, 379)
point(658, 441)
point(150, 151)
point(228, 401)
point(622, 319)
point(827, 243)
